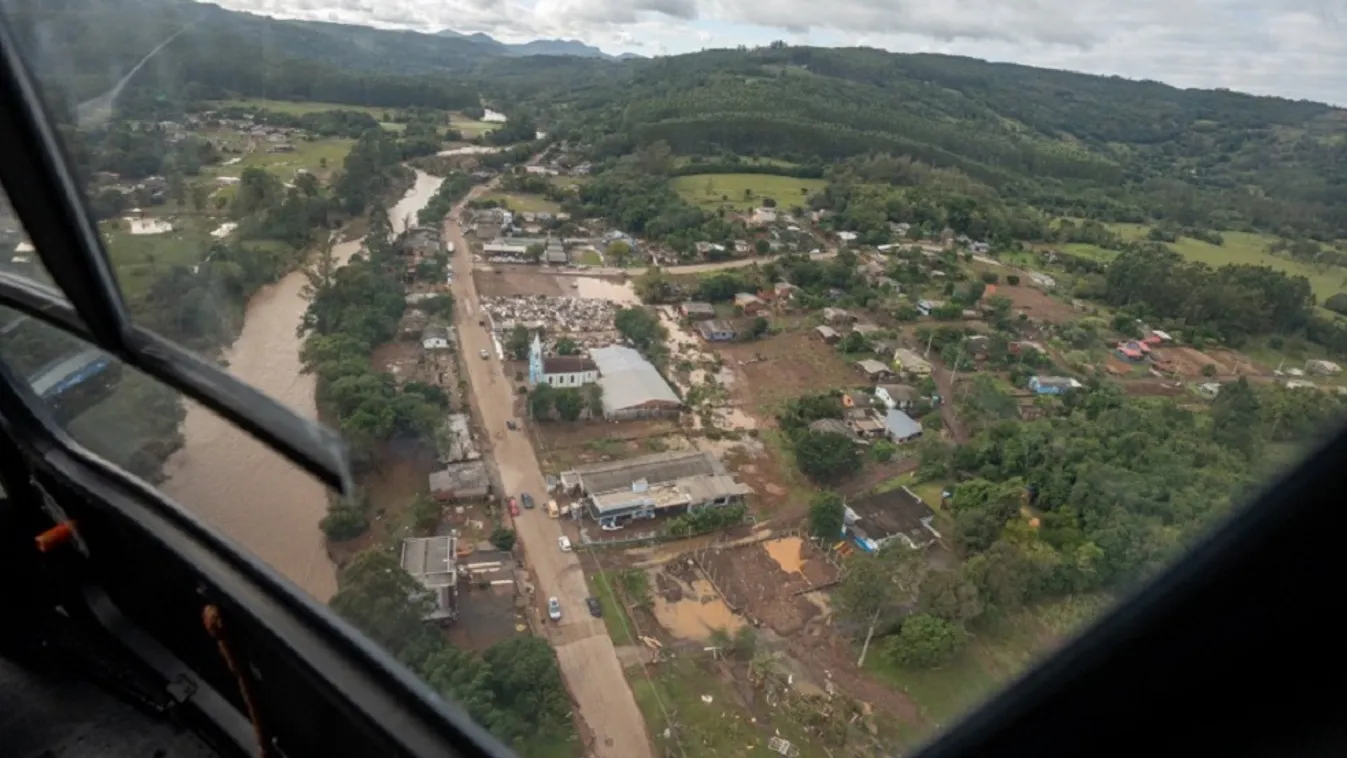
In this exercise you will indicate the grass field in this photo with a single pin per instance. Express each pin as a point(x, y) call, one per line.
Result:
point(137, 258)
point(614, 614)
point(670, 694)
point(745, 191)
point(469, 127)
point(589, 258)
point(524, 203)
point(318, 156)
point(993, 657)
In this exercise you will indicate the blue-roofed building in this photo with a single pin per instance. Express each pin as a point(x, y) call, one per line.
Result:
point(900, 426)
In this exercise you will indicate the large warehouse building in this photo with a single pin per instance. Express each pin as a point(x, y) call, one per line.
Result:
point(632, 387)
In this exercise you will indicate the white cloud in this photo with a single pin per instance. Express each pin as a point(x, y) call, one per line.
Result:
point(1295, 48)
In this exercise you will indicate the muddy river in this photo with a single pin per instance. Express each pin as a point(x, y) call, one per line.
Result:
point(237, 484)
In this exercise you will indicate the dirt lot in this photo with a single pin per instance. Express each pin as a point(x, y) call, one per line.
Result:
point(1189, 362)
point(1153, 387)
point(520, 280)
point(1037, 303)
point(783, 367)
point(761, 580)
point(562, 446)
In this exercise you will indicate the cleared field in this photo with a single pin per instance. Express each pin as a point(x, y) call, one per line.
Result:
point(744, 191)
point(524, 203)
point(138, 258)
point(299, 108)
point(783, 367)
point(469, 127)
point(318, 156)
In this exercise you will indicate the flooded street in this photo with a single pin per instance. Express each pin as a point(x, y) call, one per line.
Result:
point(237, 484)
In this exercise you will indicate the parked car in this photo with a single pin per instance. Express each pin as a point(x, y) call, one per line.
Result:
point(554, 609)
point(595, 607)
point(514, 507)
point(528, 500)
point(510, 425)
point(564, 543)
point(482, 353)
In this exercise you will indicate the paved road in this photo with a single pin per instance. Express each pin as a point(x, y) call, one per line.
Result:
point(588, 659)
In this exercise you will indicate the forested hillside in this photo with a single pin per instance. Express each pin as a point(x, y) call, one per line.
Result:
point(1104, 146)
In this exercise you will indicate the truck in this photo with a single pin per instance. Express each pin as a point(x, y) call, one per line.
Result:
point(552, 509)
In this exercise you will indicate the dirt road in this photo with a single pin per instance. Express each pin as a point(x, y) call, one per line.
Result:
point(588, 659)
point(692, 268)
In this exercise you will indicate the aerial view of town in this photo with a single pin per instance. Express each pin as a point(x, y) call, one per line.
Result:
point(761, 400)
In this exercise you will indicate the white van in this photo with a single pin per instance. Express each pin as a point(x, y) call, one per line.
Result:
point(564, 543)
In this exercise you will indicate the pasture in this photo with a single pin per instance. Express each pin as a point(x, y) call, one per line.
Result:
point(742, 192)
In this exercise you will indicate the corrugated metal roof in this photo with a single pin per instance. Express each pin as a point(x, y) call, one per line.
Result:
point(628, 379)
point(901, 425)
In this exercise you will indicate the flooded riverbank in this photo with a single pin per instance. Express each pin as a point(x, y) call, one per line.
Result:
point(237, 484)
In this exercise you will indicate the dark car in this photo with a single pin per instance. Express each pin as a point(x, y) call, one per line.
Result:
point(528, 500)
point(595, 607)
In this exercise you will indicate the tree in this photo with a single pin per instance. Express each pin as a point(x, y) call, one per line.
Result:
point(503, 538)
point(619, 253)
point(759, 328)
point(990, 277)
point(873, 583)
point(534, 252)
point(1013, 280)
point(567, 346)
point(826, 457)
point(854, 342)
point(519, 343)
point(1209, 370)
point(1337, 303)
point(925, 641)
point(826, 516)
point(569, 403)
point(381, 599)
point(542, 400)
point(950, 596)
point(1234, 417)
point(643, 329)
point(594, 399)
point(762, 247)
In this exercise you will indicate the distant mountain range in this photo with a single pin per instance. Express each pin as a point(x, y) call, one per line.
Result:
point(569, 47)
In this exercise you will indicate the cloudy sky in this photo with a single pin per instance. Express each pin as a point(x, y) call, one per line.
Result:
point(1293, 48)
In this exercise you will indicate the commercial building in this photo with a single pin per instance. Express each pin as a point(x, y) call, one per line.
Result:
point(632, 387)
point(653, 485)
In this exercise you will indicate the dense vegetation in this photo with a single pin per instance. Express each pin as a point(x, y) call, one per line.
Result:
point(514, 689)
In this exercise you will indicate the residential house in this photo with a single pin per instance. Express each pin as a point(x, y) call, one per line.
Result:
point(909, 362)
point(784, 291)
point(555, 253)
point(828, 334)
point(874, 370)
point(837, 316)
point(866, 423)
point(1133, 351)
point(460, 481)
point(924, 307)
point(435, 338)
point(1323, 368)
point(900, 396)
point(1052, 385)
point(763, 216)
point(433, 562)
point(832, 426)
point(749, 302)
point(697, 311)
point(847, 238)
point(897, 515)
point(900, 426)
point(715, 330)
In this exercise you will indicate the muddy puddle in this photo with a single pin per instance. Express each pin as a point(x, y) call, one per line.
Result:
point(621, 293)
point(697, 613)
point(788, 553)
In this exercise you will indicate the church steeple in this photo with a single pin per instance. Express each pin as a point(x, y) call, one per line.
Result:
point(535, 361)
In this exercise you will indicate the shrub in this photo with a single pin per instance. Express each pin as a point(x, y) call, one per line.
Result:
point(1013, 280)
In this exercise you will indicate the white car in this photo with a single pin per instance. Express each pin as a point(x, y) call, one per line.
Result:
point(482, 353)
point(564, 543)
point(554, 609)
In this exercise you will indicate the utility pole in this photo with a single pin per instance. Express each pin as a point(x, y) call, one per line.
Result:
point(860, 662)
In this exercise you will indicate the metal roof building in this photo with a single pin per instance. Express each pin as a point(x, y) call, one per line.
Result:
point(632, 387)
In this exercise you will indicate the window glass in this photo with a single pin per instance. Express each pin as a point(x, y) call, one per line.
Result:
point(779, 399)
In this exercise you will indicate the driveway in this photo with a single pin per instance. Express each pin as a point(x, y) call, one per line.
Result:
point(589, 662)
